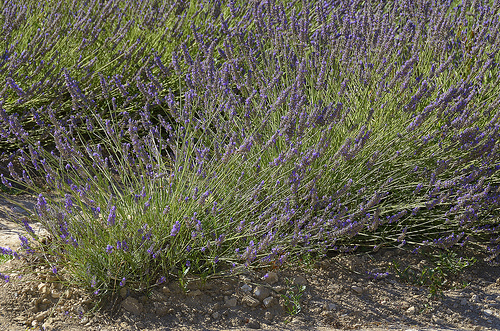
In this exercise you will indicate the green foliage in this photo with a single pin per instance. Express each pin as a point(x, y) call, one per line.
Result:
point(292, 296)
point(445, 267)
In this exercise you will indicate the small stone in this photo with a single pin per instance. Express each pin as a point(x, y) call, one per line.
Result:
point(123, 292)
point(250, 301)
point(411, 310)
point(278, 288)
point(47, 325)
point(463, 302)
point(357, 289)
point(253, 324)
point(67, 294)
point(165, 290)
point(498, 281)
point(41, 316)
point(299, 280)
point(271, 277)
point(268, 316)
point(43, 288)
point(34, 323)
point(246, 288)
point(330, 306)
point(195, 293)
point(55, 294)
point(268, 302)
point(132, 305)
point(231, 302)
point(84, 320)
point(215, 315)
point(261, 292)
point(161, 309)
point(488, 312)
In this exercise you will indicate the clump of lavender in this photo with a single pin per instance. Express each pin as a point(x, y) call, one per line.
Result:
point(291, 128)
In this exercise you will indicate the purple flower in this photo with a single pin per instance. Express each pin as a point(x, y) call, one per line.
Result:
point(123, 282)
point(175, 229)
point(109, 249)
point(5, 277)
point(112, 216)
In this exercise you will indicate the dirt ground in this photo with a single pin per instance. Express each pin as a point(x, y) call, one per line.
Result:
point(336, 293)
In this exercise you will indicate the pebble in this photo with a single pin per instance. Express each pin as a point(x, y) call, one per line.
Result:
point(489, 312)
point(268, 302)
point(271, 278)
point(43, 288)
point(123, 292)
point(246, 288)
point(250, 301)
point(412, 310)
point(215, 315)
point(463, 302)
point(231, 302)
point(195, 293)
point(261, 292)
point(357, 289)
point(253, 324)
point(132, 305)
point(268, 316)
point(330, 306)
point(161, 309)
point(299, 280)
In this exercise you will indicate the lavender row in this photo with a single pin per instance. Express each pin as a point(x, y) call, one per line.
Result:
point(272, 130)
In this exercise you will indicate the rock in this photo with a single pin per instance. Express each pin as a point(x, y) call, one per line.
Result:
point(268, 302)
point(250, 301)
point(55, 294)
point(161, 309)
point(299, 280)
point(195, 293)
point(231, 302)
point(123, 292)
point(463, 302)
point(132, 305)
point(268, 316)
point(357, 289)
point(278, 288)
point(165, 290)
point(498, 281)
point(41, 316)
point(488, 312)
point(47, 325)
point(215, 315)
point(412, 310)
point(261, 292)
point(330, 306)
point(43, 288)
point(271, 278)
point(246, 288)
point(253, 324)
point(67, 294)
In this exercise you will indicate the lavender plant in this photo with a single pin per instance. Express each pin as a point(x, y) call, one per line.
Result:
point(274, 129)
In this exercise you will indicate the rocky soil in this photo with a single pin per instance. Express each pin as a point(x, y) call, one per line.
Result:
point(336, 293)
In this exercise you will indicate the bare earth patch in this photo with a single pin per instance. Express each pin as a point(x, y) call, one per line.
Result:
point(337, 293)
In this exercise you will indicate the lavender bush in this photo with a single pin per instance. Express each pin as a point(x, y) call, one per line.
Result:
point(209, 135)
